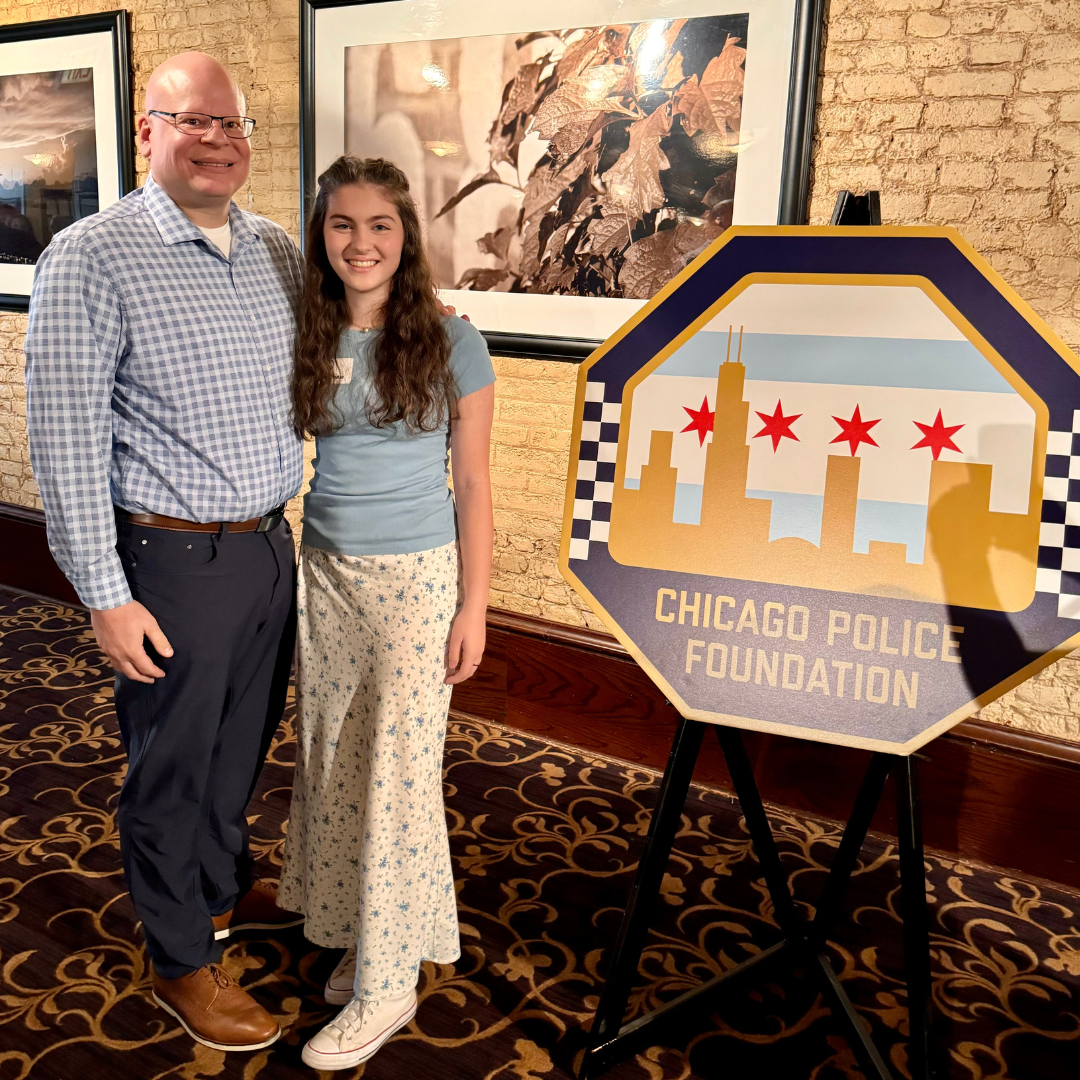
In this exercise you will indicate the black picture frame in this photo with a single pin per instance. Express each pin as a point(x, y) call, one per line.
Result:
point(794, 180)
point(118, 24)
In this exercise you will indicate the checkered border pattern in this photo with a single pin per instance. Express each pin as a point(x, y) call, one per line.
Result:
point(596, 469)
point(1059, 535)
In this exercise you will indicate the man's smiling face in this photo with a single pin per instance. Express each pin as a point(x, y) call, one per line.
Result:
point(199, 172)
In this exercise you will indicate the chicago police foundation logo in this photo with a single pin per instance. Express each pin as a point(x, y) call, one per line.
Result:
point(825, 484)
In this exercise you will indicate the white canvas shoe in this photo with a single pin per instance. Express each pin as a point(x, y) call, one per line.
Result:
point(339, 987)
point(358, 1031)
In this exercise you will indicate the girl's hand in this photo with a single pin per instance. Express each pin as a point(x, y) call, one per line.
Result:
point(468, 636)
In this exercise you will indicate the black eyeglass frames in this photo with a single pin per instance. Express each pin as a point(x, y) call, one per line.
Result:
point(197, 123)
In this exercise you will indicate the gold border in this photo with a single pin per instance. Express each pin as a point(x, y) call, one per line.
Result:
point(1008, 294)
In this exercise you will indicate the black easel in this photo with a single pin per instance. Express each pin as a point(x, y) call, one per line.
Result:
point(803, 942)
point(852, 209)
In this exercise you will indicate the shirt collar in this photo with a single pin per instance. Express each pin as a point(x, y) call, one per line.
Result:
point(175, 227)
point(243, 228)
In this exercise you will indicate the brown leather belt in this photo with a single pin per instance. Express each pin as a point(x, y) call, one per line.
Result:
point(163, 521)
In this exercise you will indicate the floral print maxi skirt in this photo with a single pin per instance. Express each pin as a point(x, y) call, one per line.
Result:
point(367, 858)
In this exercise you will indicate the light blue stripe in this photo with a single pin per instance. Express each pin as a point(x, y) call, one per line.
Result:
point(687, 504)
point(898, 523)
point(793, 514)
point(799, 515)
point(901, 362)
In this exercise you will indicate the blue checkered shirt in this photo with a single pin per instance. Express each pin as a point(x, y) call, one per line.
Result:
point(157, 378)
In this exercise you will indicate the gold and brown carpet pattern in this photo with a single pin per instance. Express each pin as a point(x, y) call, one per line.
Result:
point(545, 843)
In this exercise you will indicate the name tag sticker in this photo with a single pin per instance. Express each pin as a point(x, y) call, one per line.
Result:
point(343, 374)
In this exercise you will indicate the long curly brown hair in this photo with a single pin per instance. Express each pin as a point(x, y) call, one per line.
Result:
point(411, 378)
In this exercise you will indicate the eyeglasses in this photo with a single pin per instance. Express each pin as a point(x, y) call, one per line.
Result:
point(197, 123)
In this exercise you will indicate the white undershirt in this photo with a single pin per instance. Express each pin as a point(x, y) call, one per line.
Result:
point(221, 238)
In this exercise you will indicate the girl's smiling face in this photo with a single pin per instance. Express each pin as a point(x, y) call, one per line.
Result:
point(364, 237)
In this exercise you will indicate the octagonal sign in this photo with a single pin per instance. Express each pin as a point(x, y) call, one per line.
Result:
point(823, 485)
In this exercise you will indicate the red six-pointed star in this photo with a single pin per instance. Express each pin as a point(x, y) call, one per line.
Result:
point(855, 431)
point(777, 426)
point(701, 420)
point(937, 436)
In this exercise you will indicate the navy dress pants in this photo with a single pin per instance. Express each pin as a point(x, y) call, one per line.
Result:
point(196, 739)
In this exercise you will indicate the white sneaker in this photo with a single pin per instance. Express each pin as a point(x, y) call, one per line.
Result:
point(339, 987)
point(358, 1031)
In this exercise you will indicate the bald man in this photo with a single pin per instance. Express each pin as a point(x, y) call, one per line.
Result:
point(159, 358)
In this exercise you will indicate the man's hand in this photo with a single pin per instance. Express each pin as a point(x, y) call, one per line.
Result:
point(120, 632)
point(448, 309)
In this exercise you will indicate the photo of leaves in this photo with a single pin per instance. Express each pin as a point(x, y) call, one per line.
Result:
point(594, 161)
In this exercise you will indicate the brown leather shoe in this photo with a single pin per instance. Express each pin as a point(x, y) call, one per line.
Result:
point(215, 1011)
point(257, 909)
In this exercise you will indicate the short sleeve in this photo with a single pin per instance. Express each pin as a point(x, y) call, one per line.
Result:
point(469, 358)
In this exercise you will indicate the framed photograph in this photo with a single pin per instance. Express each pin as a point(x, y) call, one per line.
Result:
point(66, 138)
point(568, 158)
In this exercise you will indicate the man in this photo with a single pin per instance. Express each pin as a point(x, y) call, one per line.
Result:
point(159, 358)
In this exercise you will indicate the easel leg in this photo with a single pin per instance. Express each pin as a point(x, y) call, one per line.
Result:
point(610, 1041)
point(646, 888)
point(847, 855)
point(866, 1053)
point(914, 913)
point(757, 824)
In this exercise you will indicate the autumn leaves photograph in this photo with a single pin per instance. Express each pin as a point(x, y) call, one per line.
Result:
point(593, 161)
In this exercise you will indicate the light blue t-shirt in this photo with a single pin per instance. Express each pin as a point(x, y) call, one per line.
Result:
point(383, 491)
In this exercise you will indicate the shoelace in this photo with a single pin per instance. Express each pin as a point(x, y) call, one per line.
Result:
point(351, 1019)
point(223, 980)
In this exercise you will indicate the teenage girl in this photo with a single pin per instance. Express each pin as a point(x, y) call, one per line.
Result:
point(394, 574)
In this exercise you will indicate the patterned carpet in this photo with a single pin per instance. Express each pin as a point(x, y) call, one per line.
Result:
point(545, 843)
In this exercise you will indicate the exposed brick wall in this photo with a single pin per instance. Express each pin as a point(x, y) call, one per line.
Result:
point(964, 113)
point(534, 408)
point(16, 480)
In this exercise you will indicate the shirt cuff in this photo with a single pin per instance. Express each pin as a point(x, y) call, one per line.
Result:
point(105, 586)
